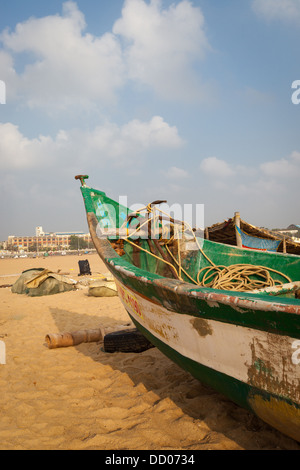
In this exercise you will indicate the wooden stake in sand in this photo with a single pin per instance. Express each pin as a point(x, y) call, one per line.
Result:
point(2, 353)
point(64, 340)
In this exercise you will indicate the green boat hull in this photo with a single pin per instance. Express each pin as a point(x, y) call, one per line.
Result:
point(244, 345)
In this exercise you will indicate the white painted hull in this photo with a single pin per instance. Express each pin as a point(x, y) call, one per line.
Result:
point(260, 359)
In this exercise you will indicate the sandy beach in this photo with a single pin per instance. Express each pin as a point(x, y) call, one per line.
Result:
point(82, 398)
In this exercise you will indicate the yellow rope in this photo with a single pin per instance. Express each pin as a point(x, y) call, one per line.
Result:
point(181, 268)
point(235, 277)
point(152, 254)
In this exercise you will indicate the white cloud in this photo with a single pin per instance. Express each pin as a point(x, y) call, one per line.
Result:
point(175, 173)
point(108, 142)
point(161, 46)
point(278, 9)
point(295, 156)
point(54, 64)
point(216, 168)
point(265, 194)
point(271, 174)
point(155, 133)
point(19, 152)
point(288, 167)
point(67, 66)
point(278, 168)
point(273, 186)
point(8, 73)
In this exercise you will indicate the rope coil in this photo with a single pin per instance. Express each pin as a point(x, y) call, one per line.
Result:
point(237, 277)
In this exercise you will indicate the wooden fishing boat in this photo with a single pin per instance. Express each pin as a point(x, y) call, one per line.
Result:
point(236, 231)
point(238, 333)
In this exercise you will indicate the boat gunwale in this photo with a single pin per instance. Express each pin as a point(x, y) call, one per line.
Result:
point(123, 270)
point(249, 301)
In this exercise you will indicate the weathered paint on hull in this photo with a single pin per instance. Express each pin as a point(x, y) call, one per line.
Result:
point(236, 361)
point(243, 345)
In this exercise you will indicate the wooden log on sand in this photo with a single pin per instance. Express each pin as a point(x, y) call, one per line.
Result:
point(64, 340)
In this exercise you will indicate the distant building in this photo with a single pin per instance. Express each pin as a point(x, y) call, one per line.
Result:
point(292, 231)
point(43, 240)
point(39, 232)
point(294, 227)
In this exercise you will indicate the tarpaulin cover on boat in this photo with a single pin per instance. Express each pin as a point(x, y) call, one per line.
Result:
point(257, 243)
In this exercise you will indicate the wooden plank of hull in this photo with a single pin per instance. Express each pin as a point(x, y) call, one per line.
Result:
point(260, 339)
point(256, 369)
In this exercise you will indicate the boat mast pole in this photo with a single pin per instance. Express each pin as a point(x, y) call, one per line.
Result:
point(237, 219)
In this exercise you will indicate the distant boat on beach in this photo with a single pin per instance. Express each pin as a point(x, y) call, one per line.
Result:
point(237, 232)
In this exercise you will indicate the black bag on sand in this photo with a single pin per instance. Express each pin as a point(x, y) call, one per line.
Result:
point(84, 267)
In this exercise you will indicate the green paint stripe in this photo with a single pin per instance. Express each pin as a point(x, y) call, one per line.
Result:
point(281, 323)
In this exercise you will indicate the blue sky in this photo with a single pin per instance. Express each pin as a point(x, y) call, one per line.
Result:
point(158, 99)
